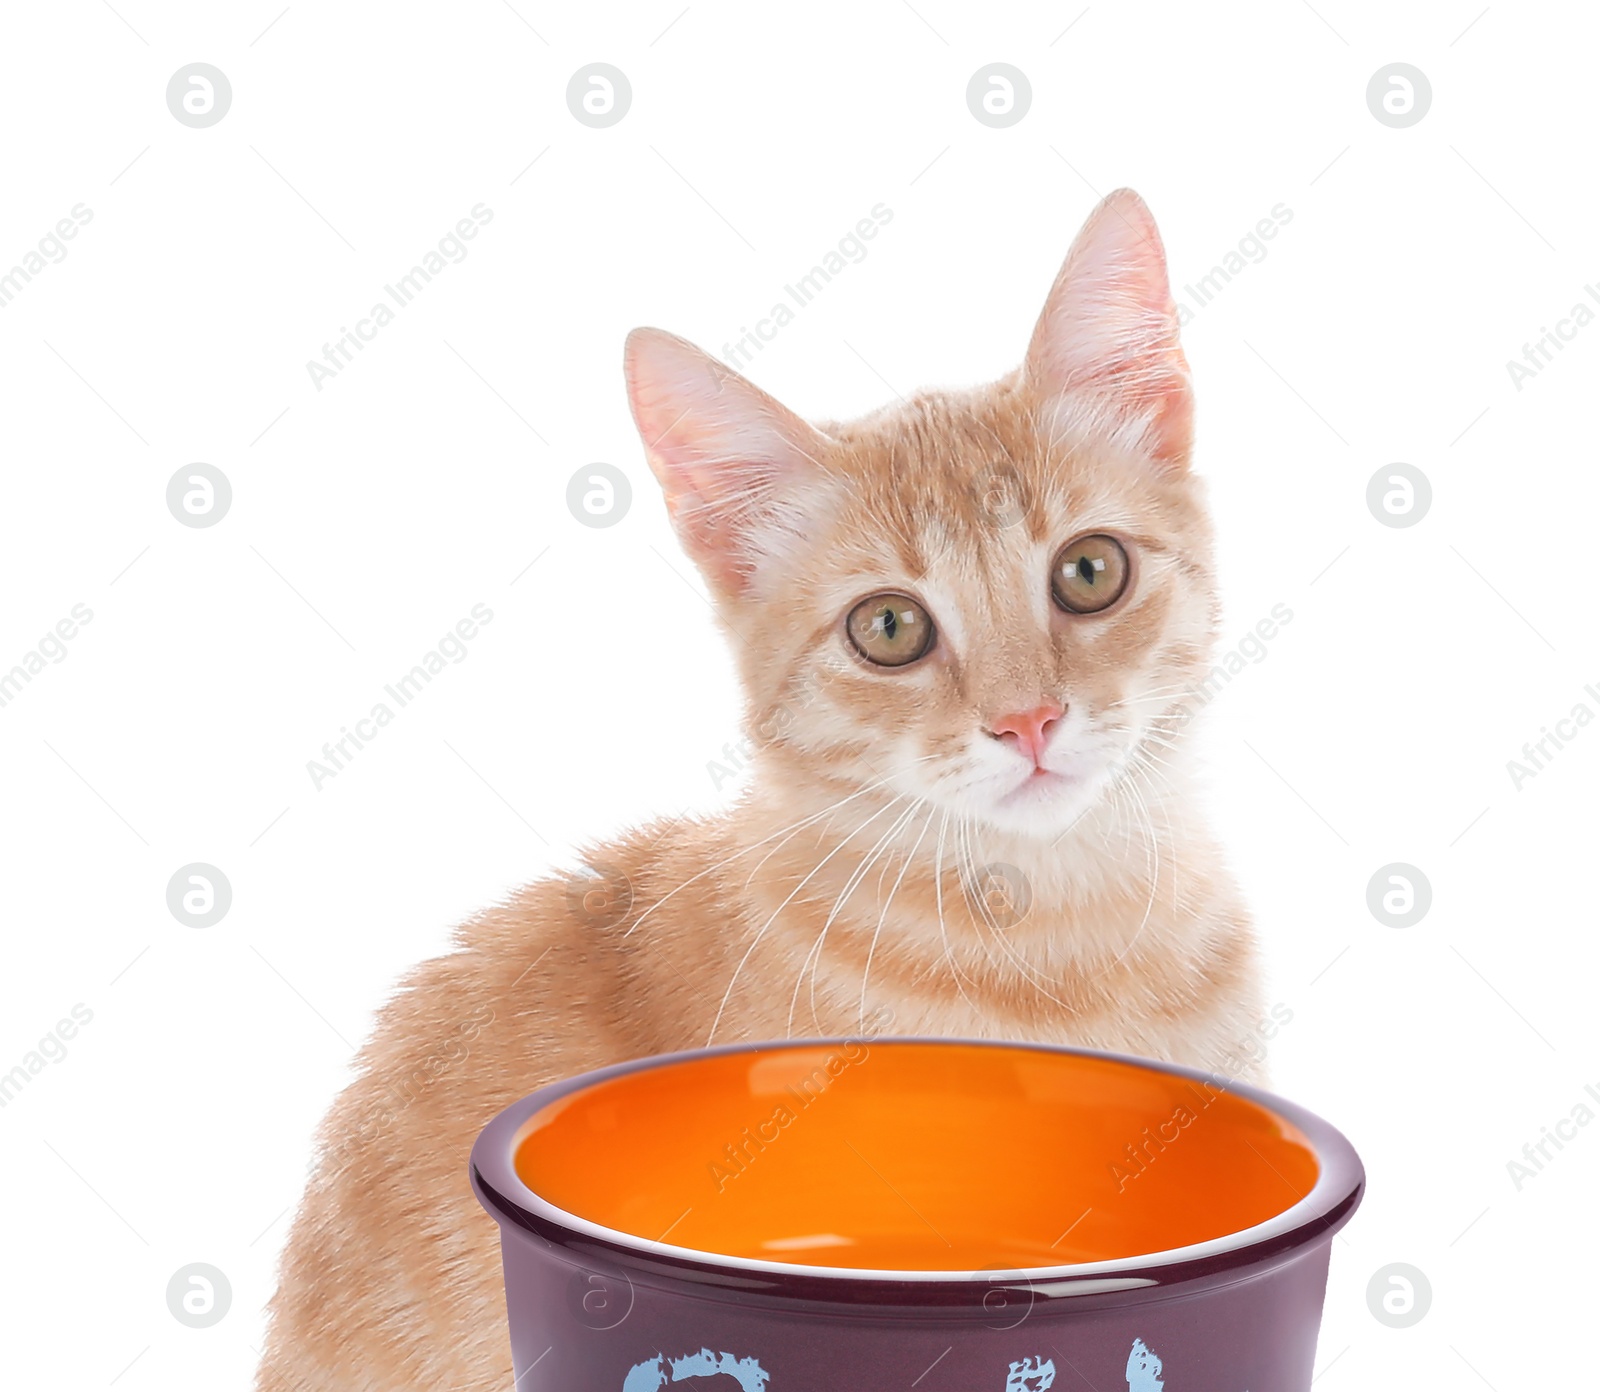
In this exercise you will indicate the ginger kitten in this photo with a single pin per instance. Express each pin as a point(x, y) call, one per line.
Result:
point(964, 625)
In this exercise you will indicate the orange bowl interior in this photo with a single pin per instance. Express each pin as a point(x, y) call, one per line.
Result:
point(909, 1156)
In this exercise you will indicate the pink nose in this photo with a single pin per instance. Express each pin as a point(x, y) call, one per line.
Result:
point(1029, 730)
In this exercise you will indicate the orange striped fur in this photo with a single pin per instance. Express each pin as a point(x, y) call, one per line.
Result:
point(885, 870)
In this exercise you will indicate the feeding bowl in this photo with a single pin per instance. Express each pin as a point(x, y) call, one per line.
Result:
point(944, 1215)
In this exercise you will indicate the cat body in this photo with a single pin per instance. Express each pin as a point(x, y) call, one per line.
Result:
point(965, 627)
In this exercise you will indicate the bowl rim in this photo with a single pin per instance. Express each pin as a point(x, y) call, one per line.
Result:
point(1339, 1187)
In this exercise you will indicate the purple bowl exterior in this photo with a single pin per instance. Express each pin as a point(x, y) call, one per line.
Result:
point(590, 1308)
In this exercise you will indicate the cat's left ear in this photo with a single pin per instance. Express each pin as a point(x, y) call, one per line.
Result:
point(1110, 328)
point(739, 470)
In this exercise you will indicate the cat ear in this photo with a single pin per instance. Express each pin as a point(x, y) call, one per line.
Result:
point(729, 458)
point(1110, 327)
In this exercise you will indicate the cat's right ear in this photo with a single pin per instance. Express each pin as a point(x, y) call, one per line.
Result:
point(732, 461)
point(1110, 327)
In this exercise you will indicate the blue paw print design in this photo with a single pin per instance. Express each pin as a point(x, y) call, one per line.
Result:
point(1030, 1375)
point(657, 1372)
point(1039, 1374)
point(1144, 1369)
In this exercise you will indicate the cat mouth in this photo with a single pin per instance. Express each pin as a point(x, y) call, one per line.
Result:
point(1039, 785)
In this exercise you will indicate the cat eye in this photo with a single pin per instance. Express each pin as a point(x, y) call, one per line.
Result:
point(890, 630)
point(1089, 574)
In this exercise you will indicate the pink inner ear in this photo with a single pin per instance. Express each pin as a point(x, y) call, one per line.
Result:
point(1110, 327)
point(723, 451)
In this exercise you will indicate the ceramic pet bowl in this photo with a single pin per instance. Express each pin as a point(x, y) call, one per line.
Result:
point(846, 1216)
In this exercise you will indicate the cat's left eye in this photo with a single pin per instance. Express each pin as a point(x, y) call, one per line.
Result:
point(890, 630)
point(1089, 574)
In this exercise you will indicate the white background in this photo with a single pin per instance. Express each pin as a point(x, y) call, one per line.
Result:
point(430, 475)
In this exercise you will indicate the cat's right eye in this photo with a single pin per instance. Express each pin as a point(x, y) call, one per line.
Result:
point(1089, 574)
point(890, 630)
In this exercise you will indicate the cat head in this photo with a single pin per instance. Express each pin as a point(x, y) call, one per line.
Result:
point(991, 599)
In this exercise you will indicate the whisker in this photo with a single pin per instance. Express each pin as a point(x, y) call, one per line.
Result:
point(792, 827)
point(775, 850)
point(938, 899)
point(1153, 861)
point(866, 971)
point(1012, 955)
point(814, 957)
point(774, 918)
point(968, 873)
